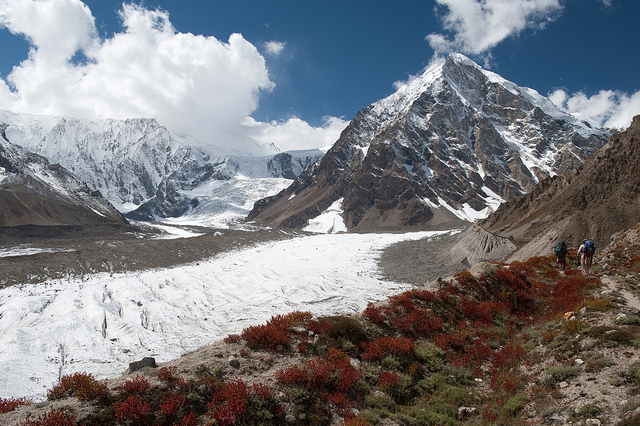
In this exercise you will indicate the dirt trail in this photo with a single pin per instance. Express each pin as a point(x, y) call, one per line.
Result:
point(619, 285)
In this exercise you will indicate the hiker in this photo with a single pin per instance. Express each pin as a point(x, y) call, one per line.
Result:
point(560, 250)
point(586, 252)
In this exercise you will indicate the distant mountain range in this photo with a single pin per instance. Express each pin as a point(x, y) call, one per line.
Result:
point(447, 148)
point(148, 172)
point(444, 150)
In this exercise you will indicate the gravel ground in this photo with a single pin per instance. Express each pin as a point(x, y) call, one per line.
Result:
point(418, 262)
point(73, 252)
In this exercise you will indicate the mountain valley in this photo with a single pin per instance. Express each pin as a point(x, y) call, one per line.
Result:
point(429, 296)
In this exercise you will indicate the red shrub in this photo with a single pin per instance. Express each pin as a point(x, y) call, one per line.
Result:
point(333, 372)
point(10, 404)
point(359, 420)
point(167, 374)
point(291, 376)
point(384, 345)
point(490, 413)
point(401, 323)
point(232, 338)
point(275, 332)
point(510, 355)
point(137, 385)
point(466, 278)
point(171, 404)
point(230, 402)
point(52, 418)
point(81, 385)
point(456, 340)
point(338, 399)
point(303, 345)
point(190, 419)
point(424, 295)
point(374, 313)
point(403, 300)
point(388, 380)
point(262, 391)
point(319, 326)
point(131, 409)
point(426, 323)
point(569, 293)
point(299, 317)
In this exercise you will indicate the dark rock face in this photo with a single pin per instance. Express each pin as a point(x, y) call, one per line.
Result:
point(144, 362)
point(447, 147)
point(35, 192)
point(596, 200)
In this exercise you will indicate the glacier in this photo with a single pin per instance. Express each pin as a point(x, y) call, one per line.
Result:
point(102, 322)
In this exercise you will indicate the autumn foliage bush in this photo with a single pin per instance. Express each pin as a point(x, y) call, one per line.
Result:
point(81, 385)
point(131, 409)
point(275, 332)
point(52, 418)
point(10, 404)
point(139, 384)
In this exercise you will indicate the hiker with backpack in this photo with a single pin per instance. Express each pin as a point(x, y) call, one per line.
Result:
point(586, 252)
point(560, 250)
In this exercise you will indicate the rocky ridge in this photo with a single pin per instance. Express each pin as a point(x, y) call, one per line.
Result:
point(594, 201)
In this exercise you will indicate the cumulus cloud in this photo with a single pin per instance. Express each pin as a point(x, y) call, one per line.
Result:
point(613, 109)
point(479, 25)
point(188, 82)
point(274, 48)
point(295, 133)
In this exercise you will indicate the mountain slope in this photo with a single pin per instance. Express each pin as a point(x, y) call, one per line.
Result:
point(594, 201)
point(35, 192)
point(139, 165)
point(447, 147)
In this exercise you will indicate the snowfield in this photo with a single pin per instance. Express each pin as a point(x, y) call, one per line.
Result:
point(103, 322)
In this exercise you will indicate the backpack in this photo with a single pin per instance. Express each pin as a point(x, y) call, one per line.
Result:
point(560, 249)
point(589, 248)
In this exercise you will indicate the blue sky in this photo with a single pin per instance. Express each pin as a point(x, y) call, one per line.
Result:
point(302, 69)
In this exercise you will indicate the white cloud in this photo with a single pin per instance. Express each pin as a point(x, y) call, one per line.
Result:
point(613, 109)
point(274, 48)
point(295, 133)
point(479, 25)
point(188, 82)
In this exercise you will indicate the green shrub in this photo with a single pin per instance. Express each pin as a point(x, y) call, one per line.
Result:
point(515, 404)
point(589, 411)
point(430, 356)
point(381, 403)
point(628, 320)
point(560, 373)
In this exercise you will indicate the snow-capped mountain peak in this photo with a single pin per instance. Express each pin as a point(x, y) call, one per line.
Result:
point(450, 144)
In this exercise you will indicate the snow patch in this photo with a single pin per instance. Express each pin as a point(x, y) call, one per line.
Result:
point(28, 251)
point(330, 221)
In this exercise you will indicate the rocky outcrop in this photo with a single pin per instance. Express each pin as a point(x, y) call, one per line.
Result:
point(446, 148)
point(595, 201)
